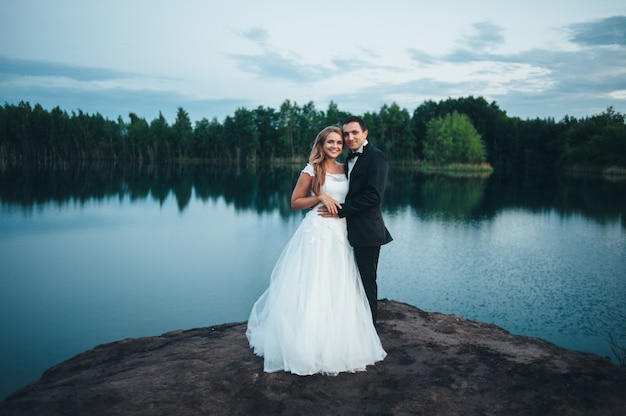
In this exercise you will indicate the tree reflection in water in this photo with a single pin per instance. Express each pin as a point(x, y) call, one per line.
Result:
point(265, 189)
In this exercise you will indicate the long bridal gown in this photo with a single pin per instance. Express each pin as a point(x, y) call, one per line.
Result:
point(314, 317)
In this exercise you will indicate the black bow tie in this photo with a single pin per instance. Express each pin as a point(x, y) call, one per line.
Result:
point(353, 154)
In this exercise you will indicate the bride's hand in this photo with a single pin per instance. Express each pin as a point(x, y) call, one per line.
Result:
point(331, 206)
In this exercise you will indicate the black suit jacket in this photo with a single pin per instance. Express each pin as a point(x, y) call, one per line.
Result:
point(363, 206)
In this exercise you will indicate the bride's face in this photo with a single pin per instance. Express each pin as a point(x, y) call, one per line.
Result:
point(333, 145)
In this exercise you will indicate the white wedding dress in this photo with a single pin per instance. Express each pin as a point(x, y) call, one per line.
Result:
point(314, 317)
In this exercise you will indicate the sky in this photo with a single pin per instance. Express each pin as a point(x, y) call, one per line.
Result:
point(535, 59)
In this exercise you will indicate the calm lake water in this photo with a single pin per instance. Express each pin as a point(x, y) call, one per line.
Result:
point(93, 255)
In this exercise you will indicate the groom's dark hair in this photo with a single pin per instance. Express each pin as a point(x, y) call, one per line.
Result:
point(357, 119)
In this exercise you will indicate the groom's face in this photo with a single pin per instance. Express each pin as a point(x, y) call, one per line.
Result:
point(353, 136)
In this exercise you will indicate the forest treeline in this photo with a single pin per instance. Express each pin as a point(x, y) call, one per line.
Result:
point(32, 134)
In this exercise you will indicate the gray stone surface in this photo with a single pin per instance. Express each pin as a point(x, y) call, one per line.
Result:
point(437, 365)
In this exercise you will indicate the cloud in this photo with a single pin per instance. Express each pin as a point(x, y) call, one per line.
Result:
point(488, 36)
point(114, 102)
point(23, 67)
point(267, 62)
point(421, 57)
point(601, 32)
point(595, 71)
point(408, 95)
point(100, 90)
point(557, 90)
point(273, 65)
point(257, 35)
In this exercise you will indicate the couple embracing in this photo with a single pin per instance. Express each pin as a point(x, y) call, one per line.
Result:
point(318, 314)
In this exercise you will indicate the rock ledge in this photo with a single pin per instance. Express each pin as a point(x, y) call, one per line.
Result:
point(437, 365)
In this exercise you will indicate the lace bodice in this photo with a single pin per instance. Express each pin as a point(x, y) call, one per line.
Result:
point(335, 185)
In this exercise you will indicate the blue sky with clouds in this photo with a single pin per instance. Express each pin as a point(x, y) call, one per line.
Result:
point(534, 58)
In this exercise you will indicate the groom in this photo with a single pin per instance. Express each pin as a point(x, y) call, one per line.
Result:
point(366, 168)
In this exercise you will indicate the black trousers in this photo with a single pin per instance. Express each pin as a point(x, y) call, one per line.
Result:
point(367, 262)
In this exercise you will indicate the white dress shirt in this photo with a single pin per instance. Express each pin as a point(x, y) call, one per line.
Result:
point(352, 161)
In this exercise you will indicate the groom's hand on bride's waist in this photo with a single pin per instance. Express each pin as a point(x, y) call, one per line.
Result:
point(324, 212)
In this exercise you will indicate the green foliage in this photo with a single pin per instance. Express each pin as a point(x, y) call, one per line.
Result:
point(596, 142)
point(453, 139)
point(182, 137)
point(395, 132)
point(243, 134)
point(211, 141)
point(334, 116)
point(266, 121)
point(161, 137)
point(467, 130)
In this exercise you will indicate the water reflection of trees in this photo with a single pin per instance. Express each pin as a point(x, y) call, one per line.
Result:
point(441, 196)
point(263, 189)
point(266, 189)
point(452, 198)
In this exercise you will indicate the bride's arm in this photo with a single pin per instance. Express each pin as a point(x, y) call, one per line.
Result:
point(301, 198)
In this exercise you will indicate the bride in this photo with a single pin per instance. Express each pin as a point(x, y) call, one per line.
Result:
point(314, 317)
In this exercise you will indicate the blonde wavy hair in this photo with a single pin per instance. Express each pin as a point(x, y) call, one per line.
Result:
point(317, 157)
